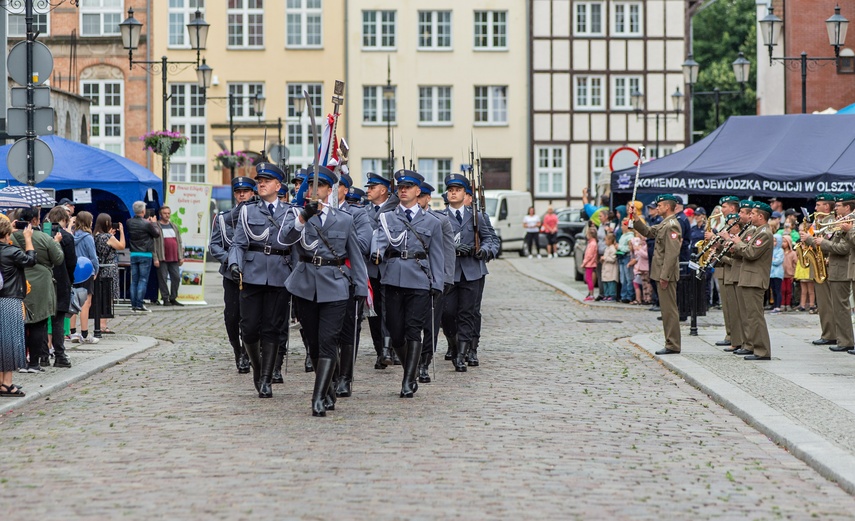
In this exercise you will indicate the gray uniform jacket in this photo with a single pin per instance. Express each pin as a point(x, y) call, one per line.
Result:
point(447, 245)
point(470, 267)
point(222, 231)
point(374, 216)
point(410, 272)
point(258, 267)
point(362, 225)
point(324, 283)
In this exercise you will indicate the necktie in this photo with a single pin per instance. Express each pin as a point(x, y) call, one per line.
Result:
point(376, 207)
point(321, 217)
point(459, 218)
point(270, 208)
point(409, 215)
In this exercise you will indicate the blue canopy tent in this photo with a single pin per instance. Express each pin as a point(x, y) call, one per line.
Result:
point(82, 166)
point(795, 155)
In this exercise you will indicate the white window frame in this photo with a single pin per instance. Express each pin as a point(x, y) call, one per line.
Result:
point(430, 20)
point(41, 22)
point(374, 94)
point(300, 12)
point(551, 163)
point(585, 86)
point(586, 9)
point(429, 101)
point(115, 144)
point(182, 15)
point(494, 28)
point(600, 155)
point(621, 91)
point(189, 164)
point(244, 92)
point(379, 27)
point(299, 133)
point(98, 7)
point(495, 95)
point(435, 170)
point(622, 13)
point(245, 12)
point(376, 165)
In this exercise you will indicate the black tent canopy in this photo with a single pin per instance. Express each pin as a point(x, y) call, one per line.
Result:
point(763, 156)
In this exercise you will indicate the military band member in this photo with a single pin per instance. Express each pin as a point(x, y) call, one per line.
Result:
point(756, 254)
point(410, 243)
point(733, 261)
point(824, 303)
point(261, 268)
point(330, 271)
point(222, 232)
point(460, 304)
point(665, 267)
point(378, 191)
point(838, 250)
point(352, 327)
point(729, 206)
point(431, 328)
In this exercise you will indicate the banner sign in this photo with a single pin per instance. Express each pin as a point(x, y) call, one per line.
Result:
point(743, 187)
point(190, 205)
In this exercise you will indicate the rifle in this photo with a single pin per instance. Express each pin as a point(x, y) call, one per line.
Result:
point(475, 215)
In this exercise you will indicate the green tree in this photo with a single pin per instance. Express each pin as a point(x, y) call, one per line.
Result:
point(721, 30)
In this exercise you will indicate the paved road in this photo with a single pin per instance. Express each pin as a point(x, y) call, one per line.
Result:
point(564, 420)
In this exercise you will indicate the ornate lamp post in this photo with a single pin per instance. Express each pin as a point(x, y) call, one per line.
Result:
point(637, 101)
point(741, 68)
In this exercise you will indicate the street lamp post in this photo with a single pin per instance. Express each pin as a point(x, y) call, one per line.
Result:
point(198, 30)
point(741, 68)
point(258, 102)
point(637, 100)
point(771, 28)
point(388, 95)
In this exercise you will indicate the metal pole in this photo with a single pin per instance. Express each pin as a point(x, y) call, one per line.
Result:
point(31, 114)
point(657, 137)
point(691, 114)
point(232, 166)
point(804, 82)
point(164, 159)
point(717, 97)
point(279, 130)
point(694, 282)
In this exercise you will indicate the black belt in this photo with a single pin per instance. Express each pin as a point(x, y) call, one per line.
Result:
point(320, 261)
point(405, 254)
point(267, 250)
point(460, 254)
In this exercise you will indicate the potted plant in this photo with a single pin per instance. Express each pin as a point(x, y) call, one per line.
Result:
point(163, 142)
point(232, 161)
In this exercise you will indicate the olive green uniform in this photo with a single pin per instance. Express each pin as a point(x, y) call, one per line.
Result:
point(838, 250)
point(666, 266)
point(824, 301)
point(756, 253)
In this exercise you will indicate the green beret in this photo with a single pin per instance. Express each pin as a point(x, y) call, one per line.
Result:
point(845, 196)
point(666, 197)
point(745, 203)
point(759, 205)
point(732, 216)
point(729, 199)
point(825, 196)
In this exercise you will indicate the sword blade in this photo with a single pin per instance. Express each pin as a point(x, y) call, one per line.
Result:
point(316, 144)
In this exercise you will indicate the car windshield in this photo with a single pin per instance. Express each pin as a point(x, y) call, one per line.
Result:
point(490, 205)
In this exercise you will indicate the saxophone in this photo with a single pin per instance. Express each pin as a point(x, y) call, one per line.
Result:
point(808, 256)
point(703, 247)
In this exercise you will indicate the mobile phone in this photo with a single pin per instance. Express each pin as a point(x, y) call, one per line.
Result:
point(115, 227)
point(20, 225)
point(47, 227)
point(149, 213)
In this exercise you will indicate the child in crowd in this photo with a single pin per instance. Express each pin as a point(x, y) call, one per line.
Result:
point(803, 277)
point(776, 276)
point(789, 274)
point(641, 270)
point(610, 270)
point(589, 262)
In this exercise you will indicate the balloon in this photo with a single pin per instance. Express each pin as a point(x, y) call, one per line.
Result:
point(84, 270)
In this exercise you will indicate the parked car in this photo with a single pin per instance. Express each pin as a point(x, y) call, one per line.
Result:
point(506, 209)
point(569, 224)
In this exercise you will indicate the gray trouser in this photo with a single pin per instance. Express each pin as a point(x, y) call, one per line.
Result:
point(170, 268)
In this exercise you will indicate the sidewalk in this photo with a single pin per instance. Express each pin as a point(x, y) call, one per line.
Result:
point(802, 399)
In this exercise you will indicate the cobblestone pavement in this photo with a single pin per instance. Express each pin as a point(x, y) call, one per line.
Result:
point(563, 420)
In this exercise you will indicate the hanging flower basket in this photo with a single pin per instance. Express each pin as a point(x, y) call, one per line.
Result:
point(164, 143)
point(232, 161)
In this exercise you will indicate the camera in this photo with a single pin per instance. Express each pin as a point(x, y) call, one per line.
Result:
point(21, 225)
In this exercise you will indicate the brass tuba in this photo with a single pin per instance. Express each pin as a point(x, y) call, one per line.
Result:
point(808, 256)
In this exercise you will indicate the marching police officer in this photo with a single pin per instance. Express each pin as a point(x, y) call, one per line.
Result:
point(838, 250)
point(222, 232)
point(473, 247)
point(330, 271)
point(665, 266)
point(349, 342)
point(355, 196)
point(431, 329)
point(410, 242)
point(261, 268)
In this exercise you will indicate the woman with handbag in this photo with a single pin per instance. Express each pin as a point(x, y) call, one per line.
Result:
point(12, 346)
point(108, 246)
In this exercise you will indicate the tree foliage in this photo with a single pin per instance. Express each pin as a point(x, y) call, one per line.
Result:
point(721, 31)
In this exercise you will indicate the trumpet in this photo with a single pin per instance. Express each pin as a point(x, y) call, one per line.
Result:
point(835, 226)
point(812, 217)
point(704, 255)
point(722, 252)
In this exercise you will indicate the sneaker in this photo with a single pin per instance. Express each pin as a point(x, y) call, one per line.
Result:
point(775, 311)
point(589, 298)
point(539, 256)
point(175, 303)
point(74, 338)
point(31, 369)
point(143, 310)
point(529, 256)
point(90, 340)
point(62, 362)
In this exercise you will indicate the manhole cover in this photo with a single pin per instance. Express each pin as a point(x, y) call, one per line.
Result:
point(599, 321)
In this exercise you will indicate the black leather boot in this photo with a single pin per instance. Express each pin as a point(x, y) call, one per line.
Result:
point(377, 363)
point(472, 357)
point(277, 369)
point(396, 360)
point(411, 355)
point(243, 364)
point(386, 352)
point(323, 376)
point(344, 382)
point(268, 361)
point(253, 353)
point(308, 364)
point(452, 347)
point(460, 359)
point(424, 368)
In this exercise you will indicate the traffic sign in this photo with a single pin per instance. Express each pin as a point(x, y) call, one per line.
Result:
point(16, 121)
point(16, 160)
point(42, 63)
point(623, 157)
point(41, 96)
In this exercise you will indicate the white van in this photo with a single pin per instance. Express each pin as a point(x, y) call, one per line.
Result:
point(506, 209)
